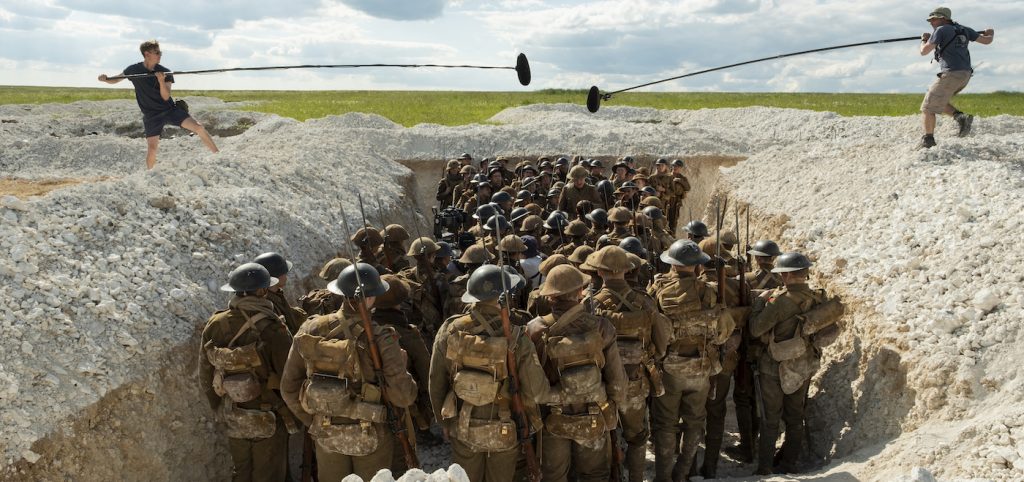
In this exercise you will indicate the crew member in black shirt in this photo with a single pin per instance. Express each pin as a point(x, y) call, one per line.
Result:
point(154, 97)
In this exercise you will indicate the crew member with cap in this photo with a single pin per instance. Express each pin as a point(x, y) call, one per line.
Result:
point(331, 385)
point(242, 354)
point(797, 323)
point(581, 361)
point(469, 380)
point(948, 42)
point(642, 335)
point(699, 329)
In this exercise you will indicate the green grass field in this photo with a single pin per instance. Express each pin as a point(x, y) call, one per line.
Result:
point(455, 108)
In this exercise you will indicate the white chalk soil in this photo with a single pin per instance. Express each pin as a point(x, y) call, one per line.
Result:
point(109, 270)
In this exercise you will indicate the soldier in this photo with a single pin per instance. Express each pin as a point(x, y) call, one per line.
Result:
point(582, 209)
point(578, 191)
point(598, 225)
point(241, 356)
point(620, 174)
point(279, 268)
point(696, 231)
point(467, 187)
point(606, 191)
point(506, 174)
point(626, 196)
point(661, 180)
point(331, 384)
point(554, 238)
point(393, 251)
point(472, 258)
point(465, 159)
point(762, 279)
point(642, 335)
point(643, 276)
point(388, 311)
point(561, 169)
point(660, 231)
point(644, 227)
point(596, 171)
point(443, 259)
point(579, 255)
point(512, 248)
point(795, 322)
point(426, 289)
point(469, 381)
point(504, 201)
point(482, 196)
point(450, 185)
point(680, 186)
point(536, 304)
point(575, 236)
point(699, 328)
point(731, 359)
point(369, 241)
point(531, 226)
point(582, 363)
point(322, 302)
point(620, 219)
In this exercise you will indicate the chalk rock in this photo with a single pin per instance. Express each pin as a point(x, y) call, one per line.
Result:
point(163, 202)
point(30, 456)
point(985, 300)
point(13, 203)
point(920, 474)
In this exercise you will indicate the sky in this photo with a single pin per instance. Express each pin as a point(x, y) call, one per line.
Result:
point(571, 44)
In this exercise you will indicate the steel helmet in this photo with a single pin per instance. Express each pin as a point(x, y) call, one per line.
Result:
point(632, 244)
point(563, 279)
point(612, 259)
point(487, 283)
point(697, 228)
point(247, 278)
point(599, 217)
point(653, 212)
point(366, 283)
point(422, 245)
point(684, 252)
point(501, 197)
point(791, 261)
point(765, 247)
point(275, 263)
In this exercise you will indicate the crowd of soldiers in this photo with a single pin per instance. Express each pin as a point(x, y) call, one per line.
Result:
point(550, 329)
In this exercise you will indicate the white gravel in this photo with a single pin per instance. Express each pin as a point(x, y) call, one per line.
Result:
point(105, 278)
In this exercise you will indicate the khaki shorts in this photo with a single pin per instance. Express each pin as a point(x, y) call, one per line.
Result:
point(943, 89)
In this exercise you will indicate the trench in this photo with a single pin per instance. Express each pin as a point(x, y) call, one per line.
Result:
point(158, 426)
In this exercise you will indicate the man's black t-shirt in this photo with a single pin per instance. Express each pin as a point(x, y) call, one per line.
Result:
point(147, 89)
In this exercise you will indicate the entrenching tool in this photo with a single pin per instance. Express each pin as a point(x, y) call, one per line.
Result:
point(522, 69)
point(595, 96)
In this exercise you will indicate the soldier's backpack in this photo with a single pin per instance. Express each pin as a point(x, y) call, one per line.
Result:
point(240, 376)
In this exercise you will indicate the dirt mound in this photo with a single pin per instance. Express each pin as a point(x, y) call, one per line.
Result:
point(109, 281)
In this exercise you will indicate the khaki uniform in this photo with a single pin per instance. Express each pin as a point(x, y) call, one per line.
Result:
point(410, 339)
point(731, 360)
point(549, 243)
point(582, 363)
point(447, 190)
point(618, 233)
point(320, 302)
point(571, 195)
point(426, 298)
point(662, 182)
point(698, 330)
point(330, 384)
point(469, 390)
point(642, 277)
point(570, 246)
point(456, 289)
point(538, 305)
point(784, 370)
point(642, 335)
point(680, 186)
point(763, 280)
point(293, 317)
point(394, 254)
point(236, 364)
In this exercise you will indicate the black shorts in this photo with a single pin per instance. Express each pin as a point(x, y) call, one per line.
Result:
point(154, 125)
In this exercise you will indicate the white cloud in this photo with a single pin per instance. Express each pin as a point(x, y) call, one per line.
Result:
point(571, 43)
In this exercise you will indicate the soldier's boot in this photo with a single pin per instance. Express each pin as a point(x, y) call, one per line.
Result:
point(746, 424)
point(687, 454)
point(927, 141)
point(636, 460)
point(709, 469)
point(666, 451)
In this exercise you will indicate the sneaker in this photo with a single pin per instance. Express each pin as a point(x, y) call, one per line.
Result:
point(964, 121)
point(927, 141)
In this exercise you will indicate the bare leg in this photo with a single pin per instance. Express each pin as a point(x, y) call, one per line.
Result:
point(152, 142)
point(198, 128)
point(929, 123)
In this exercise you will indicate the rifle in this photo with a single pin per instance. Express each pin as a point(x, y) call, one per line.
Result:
point(518, 408)
point(383, 230)
point(746, 249)
point(395, 415)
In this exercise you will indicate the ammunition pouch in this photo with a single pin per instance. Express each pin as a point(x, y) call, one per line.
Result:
point(326, 395)
point(486, 435)
point(235, 371)
point(578, 359)
point(332, 356)
point(587, 429)
point(632, 351)
point(699, 366)
point(825, 337)
point(248, 424)
point(353, 439)
point(475, 387)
